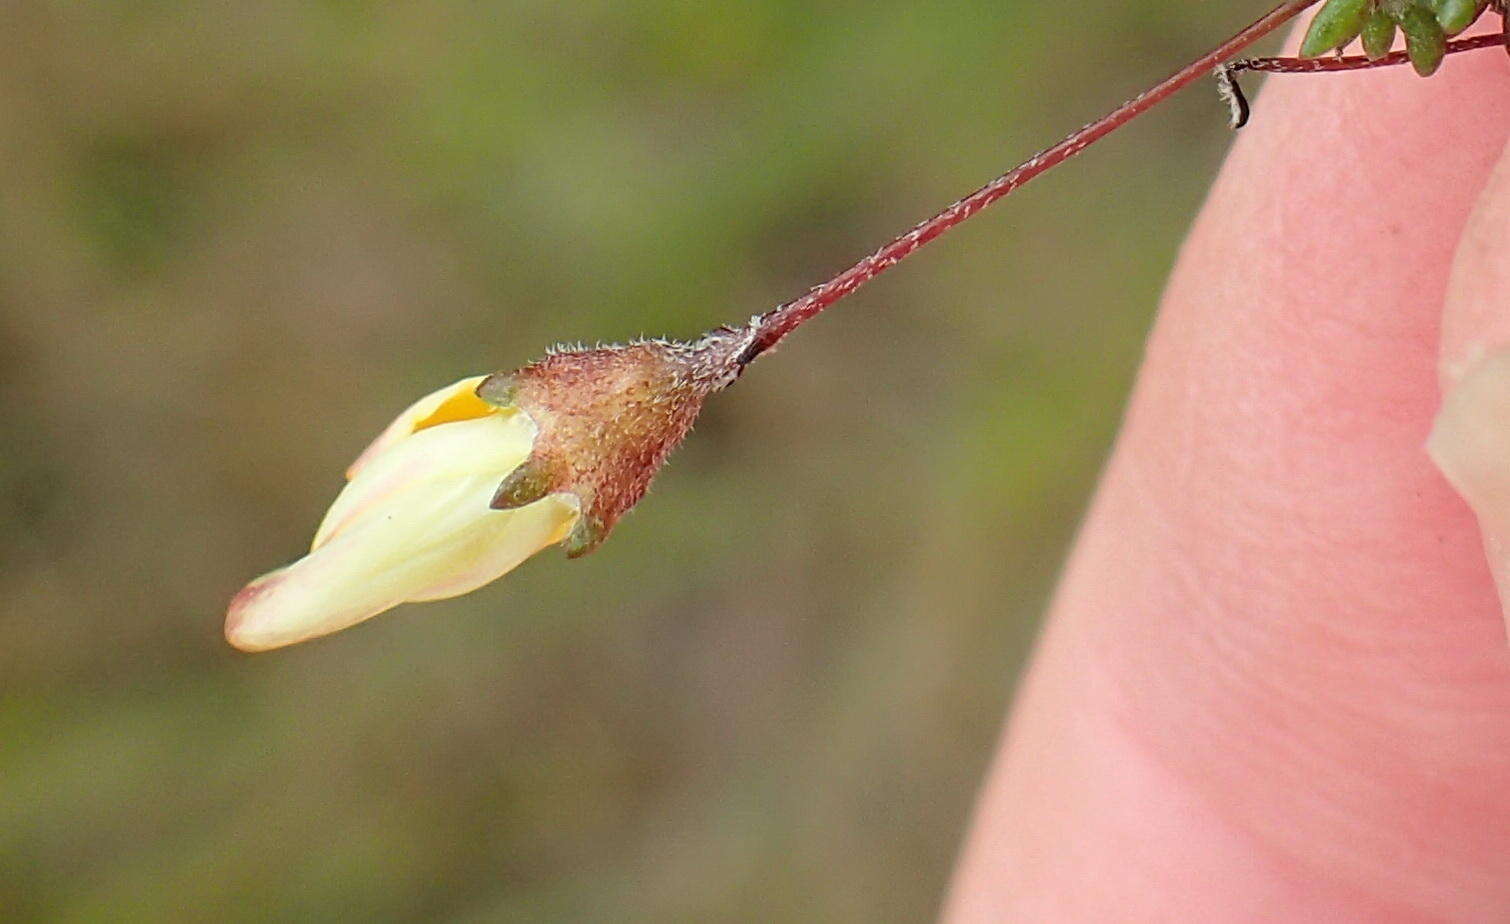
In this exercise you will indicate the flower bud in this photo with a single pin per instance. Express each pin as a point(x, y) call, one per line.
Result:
point(473, 479)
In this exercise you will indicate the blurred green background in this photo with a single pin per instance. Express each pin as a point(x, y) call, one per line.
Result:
point(237, 238)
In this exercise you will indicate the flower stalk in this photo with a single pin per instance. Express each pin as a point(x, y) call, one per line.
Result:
point(772, 326)
point(473, 479)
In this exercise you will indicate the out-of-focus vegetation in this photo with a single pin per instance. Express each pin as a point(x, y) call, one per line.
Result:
point(236, 238)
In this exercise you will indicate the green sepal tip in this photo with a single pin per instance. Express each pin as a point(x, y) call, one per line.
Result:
point(587, 535)
point(498, 389)
point(524, 485)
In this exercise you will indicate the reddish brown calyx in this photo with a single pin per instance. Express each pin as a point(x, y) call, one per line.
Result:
point(608, 417)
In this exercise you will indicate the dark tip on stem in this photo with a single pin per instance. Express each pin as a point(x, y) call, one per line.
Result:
point(1231, 93)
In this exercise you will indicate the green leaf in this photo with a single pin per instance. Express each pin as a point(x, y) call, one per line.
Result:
point(1336, 23)
point(1456, 15)
point(1425, 42)
point(1378, 35)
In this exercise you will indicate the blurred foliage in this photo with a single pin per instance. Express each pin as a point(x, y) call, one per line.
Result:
point(236, 238)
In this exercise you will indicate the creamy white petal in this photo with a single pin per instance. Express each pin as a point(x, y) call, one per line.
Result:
point(438, 540)
point(413, 525)
point(457, 401)
point(493, 445)
point(499, 544)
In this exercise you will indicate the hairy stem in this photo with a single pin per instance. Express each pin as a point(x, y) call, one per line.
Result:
point(1355, 62)
point(778, 322)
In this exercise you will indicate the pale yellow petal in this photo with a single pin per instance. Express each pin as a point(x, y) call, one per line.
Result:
point(437, 541)
point(492, 445)
point(457, 401)
point(499, 543)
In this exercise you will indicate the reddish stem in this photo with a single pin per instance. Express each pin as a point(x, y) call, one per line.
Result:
point(783, 319)
point(1356, 62)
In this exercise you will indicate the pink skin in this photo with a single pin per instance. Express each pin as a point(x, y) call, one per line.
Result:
point(1275, 683)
